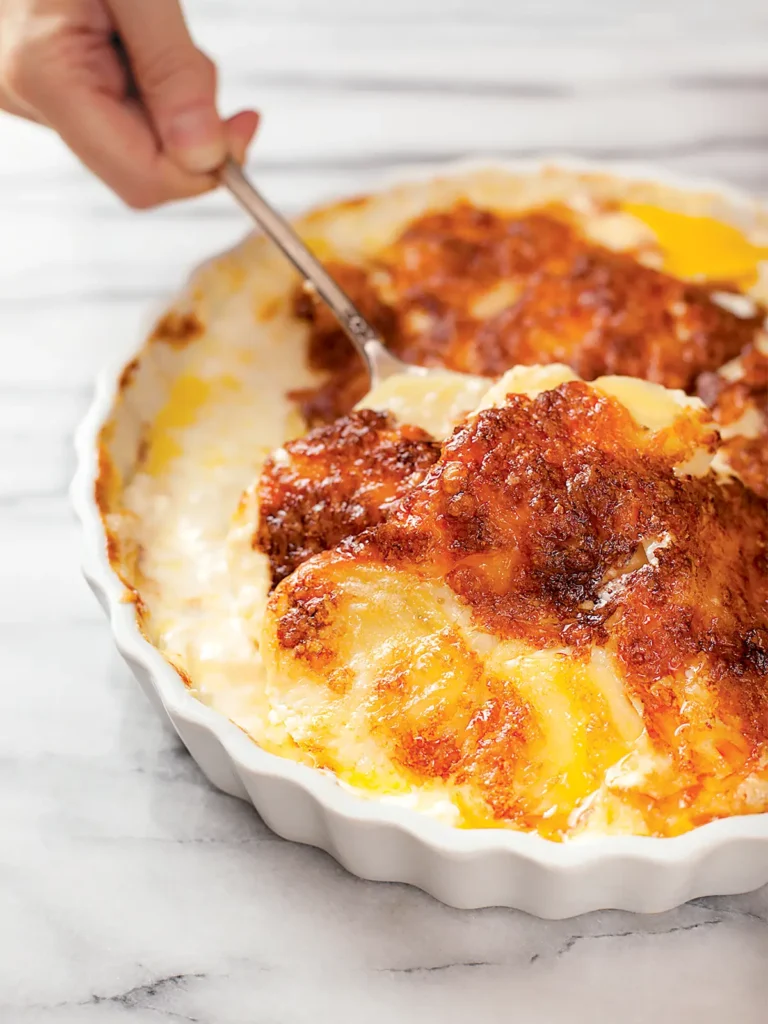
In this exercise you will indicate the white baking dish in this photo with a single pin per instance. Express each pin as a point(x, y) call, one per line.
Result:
point(464, 868)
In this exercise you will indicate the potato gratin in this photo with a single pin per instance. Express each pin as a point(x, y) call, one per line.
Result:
point(530, 592)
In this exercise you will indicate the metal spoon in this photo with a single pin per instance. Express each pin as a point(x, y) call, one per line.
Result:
point(379, 361)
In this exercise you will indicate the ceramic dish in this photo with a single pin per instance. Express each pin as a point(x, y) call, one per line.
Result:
point(377, 840)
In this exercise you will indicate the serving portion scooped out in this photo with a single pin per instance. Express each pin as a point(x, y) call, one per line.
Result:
point(526, 591)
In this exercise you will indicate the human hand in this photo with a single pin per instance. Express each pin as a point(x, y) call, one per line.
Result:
point(125, 87)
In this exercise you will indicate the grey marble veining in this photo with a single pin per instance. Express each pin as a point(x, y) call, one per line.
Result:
point(129, 889)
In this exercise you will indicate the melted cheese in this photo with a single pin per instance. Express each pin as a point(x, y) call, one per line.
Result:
point(188, 395)
point(391, 625)
point(700, 247)
point(436, 401)
point(439, 400)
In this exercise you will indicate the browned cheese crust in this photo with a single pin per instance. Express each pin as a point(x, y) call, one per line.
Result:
point(559, 521)
point(475, 291)
point(178, 329)
point(729, 401)
point(334, 483)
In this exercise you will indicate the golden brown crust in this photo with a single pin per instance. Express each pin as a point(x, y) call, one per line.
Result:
point(127, 376)
point(106, 493)
point(481, 736)
point(478, 292)
point(560, 522)
point(608, 314)
point(334, 483)
point(306, 625)
point(481, 739)
point(105, 480)
point(729, 402)
point(178, 329)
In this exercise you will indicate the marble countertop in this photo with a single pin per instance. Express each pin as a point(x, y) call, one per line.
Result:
point(130, 889)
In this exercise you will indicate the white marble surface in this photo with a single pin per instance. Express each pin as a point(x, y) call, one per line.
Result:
point(129, 889)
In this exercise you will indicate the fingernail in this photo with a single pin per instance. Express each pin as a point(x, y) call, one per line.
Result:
point(240, 129)
point(197, 138)
point(252, 128)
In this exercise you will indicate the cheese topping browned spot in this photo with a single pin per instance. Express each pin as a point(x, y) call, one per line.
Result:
point(478, 292)
point(554, 527)
point(741, 408)
point(482, 740)
point(334, 483)
point(127, 376)
point(178, 329)
point(537, 506)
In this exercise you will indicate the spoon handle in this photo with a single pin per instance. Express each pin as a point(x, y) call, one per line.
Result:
point(359, 331)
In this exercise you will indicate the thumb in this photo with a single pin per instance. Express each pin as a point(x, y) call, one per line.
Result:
point(176, 82)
